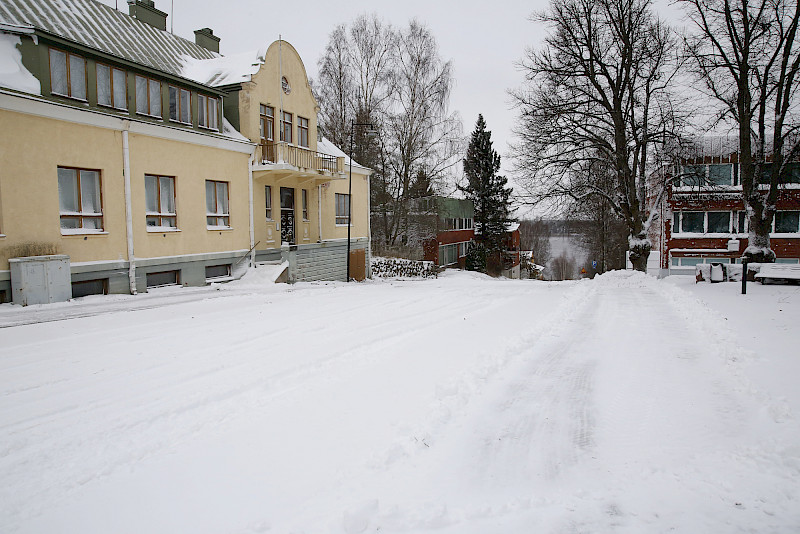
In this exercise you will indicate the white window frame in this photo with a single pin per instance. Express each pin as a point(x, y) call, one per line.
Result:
point(775, 223)
point(731, 225)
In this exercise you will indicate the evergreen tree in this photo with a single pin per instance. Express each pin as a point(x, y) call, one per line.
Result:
point(486, 189)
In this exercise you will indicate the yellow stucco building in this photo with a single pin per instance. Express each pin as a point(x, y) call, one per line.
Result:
point(151, 160)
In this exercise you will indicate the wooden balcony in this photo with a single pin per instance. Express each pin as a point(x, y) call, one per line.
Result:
point(302, 159)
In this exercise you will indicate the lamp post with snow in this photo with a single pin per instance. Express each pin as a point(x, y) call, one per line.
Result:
point(371, 132)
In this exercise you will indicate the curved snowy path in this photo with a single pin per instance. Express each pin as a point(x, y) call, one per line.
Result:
point(459, 405)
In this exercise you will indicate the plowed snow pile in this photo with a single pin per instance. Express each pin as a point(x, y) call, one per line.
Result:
point(460, 404)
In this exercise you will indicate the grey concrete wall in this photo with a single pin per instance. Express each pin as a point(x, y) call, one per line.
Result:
point(326, 260)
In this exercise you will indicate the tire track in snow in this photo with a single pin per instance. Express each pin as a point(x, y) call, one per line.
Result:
point(178, 404)
point(571, 431)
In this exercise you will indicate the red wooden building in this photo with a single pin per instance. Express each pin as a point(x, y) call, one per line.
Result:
point(703, 218)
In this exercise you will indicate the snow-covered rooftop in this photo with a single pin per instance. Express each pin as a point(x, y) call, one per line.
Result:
point(325, 146)
point(98, 26)
point(224, 70)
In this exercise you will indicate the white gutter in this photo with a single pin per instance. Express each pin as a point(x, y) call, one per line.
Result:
point(126, 172)
point(250, 163)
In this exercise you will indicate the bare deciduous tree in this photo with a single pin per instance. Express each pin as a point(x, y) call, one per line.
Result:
point(746, 53)
point(397, 81)
point(596, 93)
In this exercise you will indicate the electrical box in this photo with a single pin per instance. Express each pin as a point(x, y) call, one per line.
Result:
point(40, 279)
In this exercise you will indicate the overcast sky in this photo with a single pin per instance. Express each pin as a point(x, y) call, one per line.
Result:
point(483, 39)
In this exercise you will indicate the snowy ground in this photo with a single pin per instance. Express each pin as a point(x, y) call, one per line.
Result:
point(456, 405)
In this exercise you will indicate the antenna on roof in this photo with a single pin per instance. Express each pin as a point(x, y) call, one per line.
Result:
point(172, 17)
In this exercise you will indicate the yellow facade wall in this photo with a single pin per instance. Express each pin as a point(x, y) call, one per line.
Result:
point(33, 147)
point(191, 166)
point(265, 88)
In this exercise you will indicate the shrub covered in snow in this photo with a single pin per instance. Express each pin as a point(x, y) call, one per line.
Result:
point(390, 267)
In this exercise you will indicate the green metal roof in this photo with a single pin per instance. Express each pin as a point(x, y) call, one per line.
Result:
point(95, 25)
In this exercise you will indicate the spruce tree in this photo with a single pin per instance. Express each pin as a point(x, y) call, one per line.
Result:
point(486, 189)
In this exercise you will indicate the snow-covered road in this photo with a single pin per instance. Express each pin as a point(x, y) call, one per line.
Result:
point(457, 405)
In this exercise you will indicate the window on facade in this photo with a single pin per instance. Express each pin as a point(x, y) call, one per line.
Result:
point(719, 222)
point(160, 201)
point(302, 131)
point(180, 105)
point(792, 174)
point(787, 222)
point(166, 278)
point(741, 222)
point(342, 208)
point(691, 176)
point(268, 200)
point(79, 199)
point(720, 174)
point(111, 87)
point(67, 74)
point(218, 271)
point(692, 222)
point(448, 254)
point(305, 204)
point(217, 213)
point(207, 112)
point(267, 122)
point(148, 96)
point(90, 287)
point(286, 127)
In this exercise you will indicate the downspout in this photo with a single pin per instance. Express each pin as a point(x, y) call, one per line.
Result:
point(369, 225)
point(319, 212)
point(281, 137)
point(126, 172)
point(250, 163)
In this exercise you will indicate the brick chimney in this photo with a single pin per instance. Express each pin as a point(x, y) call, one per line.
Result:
point(145, 11)
point(205, 37)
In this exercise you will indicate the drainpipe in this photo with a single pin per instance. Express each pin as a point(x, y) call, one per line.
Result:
point(250, 163)
point(369, 225)
point(126, 171)
point(319, 212)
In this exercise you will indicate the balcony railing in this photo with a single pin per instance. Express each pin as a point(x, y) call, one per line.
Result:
point(299, 157)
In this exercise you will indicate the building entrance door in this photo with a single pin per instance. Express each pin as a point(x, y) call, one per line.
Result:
point(287, 215)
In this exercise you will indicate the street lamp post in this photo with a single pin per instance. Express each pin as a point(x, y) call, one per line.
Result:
point(353, 125)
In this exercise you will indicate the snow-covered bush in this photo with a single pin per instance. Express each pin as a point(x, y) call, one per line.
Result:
point(391, 267)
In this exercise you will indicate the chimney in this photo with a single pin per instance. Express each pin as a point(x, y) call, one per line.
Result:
point(145, 11)
point(205, 37)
